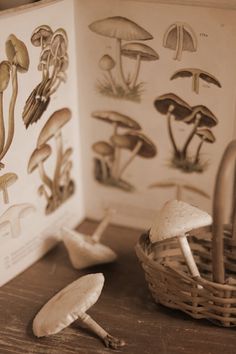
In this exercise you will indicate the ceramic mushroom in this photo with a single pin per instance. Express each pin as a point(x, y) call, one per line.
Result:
point(175, 220)
point(70, 304)
point(86, 251)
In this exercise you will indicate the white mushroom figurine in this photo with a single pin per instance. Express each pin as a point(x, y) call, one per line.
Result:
point(70, 304)
point(86, 251)
point(177, 219)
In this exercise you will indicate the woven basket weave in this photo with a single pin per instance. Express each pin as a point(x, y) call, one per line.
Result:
point(213, 295)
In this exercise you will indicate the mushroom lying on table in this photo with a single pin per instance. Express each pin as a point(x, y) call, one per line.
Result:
point(86, 251)
point(70, 304)
point(175, 220)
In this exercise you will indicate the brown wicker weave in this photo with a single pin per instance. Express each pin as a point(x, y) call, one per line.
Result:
point(213, 295)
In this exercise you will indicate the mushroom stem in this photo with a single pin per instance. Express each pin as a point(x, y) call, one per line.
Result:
point(108, 340)
point(136, 72)
point(44, 192)
point(191, 135)
point(195, 83)
point(104, 169)
point(172, 139)
point(116, 163)
point(112, 82)
point(45, 179)
point(96, 236)
point(2, 128)
point(120, 73)
point(187, 253)
point(196, 160)
point(5, 194)
point(128, 162)
point(11, 125)
point(179, 47)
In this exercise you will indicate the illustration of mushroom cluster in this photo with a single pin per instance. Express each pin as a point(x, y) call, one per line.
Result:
point(109, 165)
point(60, 186)
point(116, 82)
point(53, 63)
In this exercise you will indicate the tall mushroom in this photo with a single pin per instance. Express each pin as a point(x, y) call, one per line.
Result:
point(5, 68)
point(179, 37)
point(205, 135)
point(107, 63)
point(172, 106)
point(120, 28)
point(41, 36)
point(52, 129)
point(18, 57)
point(196, 74)
point(104, 150)
point(175, 220)
point(70, 304)
point(6, 181)
point(139, 52)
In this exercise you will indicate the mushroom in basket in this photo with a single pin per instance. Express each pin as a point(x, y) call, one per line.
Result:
point(177, 219)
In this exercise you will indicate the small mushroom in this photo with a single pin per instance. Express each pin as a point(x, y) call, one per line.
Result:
point(6, 181)
point(180, 37)
point(205, 135)
point(59, 43)
point(5, 68)
point(139, 52)
point(41, 36)
point(107, 63)
point(13, 215)
point(86, 251)
point(196, 74)
point(42, 191)
point(70, 304)
point(175, 220)
point(104, 150)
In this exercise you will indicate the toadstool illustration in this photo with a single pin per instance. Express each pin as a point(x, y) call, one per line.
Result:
point(13, 215)
point(41, 36)
point(196, 75)
point(180, 37)
point(205, 135)
point(120, 28)
point(6, 181)
point(86, 251)
point(107, 63)
point(70, 304)
point(5, 68)
point(104, 150)
point(139, 52)
point(175, 220)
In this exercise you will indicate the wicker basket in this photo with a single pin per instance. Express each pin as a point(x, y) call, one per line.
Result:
point(213, 295)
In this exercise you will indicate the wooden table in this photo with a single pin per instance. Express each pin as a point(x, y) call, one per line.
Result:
point(125, 309)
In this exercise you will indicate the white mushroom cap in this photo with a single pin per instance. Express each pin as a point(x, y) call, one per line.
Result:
point(177, 218)
point(83, 252)
point(68, 304)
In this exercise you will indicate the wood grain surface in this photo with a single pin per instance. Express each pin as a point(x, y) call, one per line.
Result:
point(125, 309)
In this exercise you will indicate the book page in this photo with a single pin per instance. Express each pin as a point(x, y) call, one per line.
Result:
point(157, 100)
point(41, 188)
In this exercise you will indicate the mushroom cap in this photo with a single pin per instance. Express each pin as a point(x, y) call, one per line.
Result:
point(68, 304)
point(107, 62)
point(207, 118)
point(206, 134)
point(54, 124)
point(8, 179)
point(171, 37)
point(5, 68)
point(103, 148)
point(132, 50)
point(17, 53)
point(121, 28)
point(39, 155)
point(59, 42)
point(114, 117)
point(204, 75)
point(45, 32)
point(177, 218)
point(83, 252)
point(130, 140)
point(180, 109)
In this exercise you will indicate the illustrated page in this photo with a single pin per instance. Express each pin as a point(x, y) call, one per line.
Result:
point(40, 177)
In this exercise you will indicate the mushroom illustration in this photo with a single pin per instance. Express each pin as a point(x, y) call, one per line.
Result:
point(172, 105)
point(41, 36)
point(180, 37)
point(13, 215)
point(42, 191)
point(18, 58)
point(205, 135)
point(138, 143)
point(6, 181)
point(175, 220)
point(36, 160)
point(52, 129)
point(86, 251)
point(196, 74)
point(104, 150)
point(180, 185)
point(70, 304)
point(120, 28)
point(107, 63)
point(66, 155)
point(139, 52)
point(5, 68)
point(201, 116)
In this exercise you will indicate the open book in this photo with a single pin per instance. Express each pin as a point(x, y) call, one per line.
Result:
point(108, 103)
